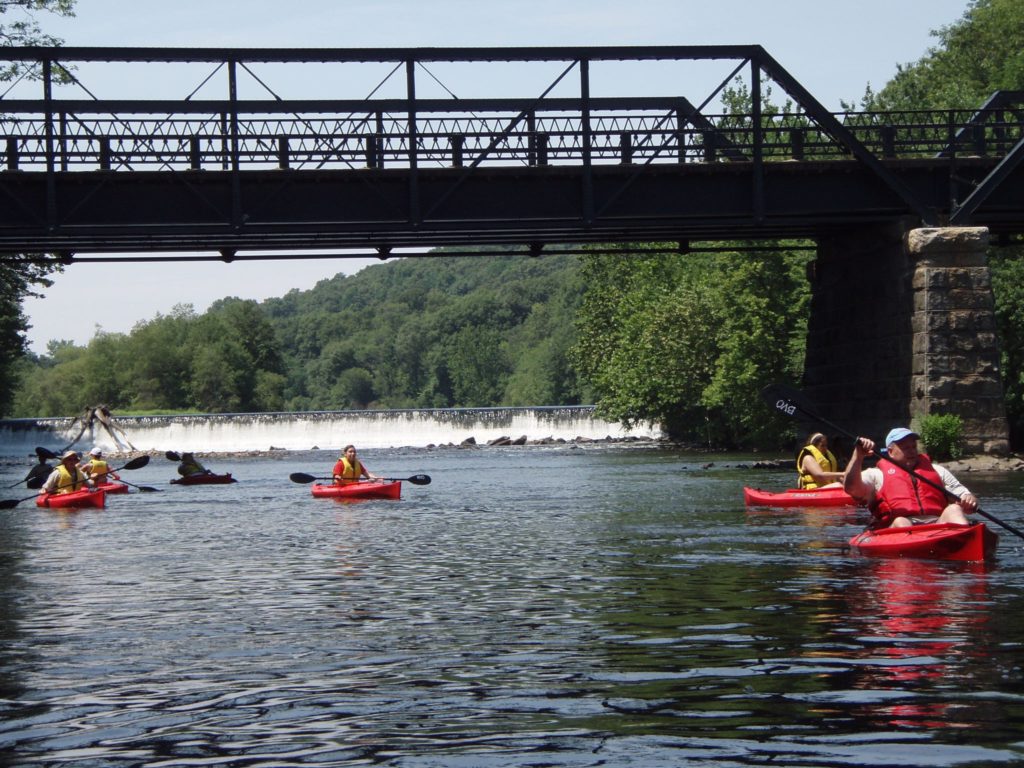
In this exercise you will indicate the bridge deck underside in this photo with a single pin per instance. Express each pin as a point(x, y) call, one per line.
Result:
point(105, 211)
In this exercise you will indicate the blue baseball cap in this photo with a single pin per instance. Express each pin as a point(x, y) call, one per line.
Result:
point(899, 433)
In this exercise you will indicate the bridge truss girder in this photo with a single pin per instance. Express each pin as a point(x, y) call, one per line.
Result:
point(378, 208)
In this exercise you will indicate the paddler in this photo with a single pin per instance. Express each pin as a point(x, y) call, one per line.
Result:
point(895, 497)
point(67, 477)
point(190, 466)
point(349, 468)
point(97, 468)
point(816, 465)
point(38, 474)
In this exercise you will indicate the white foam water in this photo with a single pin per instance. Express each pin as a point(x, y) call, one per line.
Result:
point(323, 429)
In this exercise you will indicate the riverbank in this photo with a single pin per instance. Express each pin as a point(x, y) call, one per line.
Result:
point(982, 463)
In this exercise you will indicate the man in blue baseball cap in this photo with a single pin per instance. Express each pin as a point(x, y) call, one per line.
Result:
point(893, 490)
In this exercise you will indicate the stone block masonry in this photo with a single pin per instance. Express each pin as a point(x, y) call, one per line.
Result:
point(902, 325)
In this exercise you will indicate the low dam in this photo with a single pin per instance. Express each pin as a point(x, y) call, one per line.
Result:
point(212, 433)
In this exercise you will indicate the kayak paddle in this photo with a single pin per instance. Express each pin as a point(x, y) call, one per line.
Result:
point(142, 488)
point(137, 463)
point(172, 456)
point(302, 477)
point(791, 401)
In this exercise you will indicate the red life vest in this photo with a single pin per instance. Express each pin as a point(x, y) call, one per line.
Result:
point(904, 494)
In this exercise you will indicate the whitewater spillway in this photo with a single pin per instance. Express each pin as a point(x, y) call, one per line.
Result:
point(322, 429)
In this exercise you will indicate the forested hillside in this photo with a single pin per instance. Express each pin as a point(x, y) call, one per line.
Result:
point(435, 331)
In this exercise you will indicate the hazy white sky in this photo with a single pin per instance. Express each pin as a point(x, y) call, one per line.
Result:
point(833, 48)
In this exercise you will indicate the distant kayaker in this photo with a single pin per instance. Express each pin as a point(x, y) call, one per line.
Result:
point(67, 477)
point(38, 474)
point(816, 465)
point(97, 468)
point(349, 468)
point(190, 466)
point(897, 498)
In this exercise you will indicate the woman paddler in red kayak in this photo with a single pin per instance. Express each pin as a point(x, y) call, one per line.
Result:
point(817, 465)
point(349, 469)
point(897, 498)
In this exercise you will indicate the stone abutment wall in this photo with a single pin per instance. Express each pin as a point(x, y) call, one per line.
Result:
point(902, 325)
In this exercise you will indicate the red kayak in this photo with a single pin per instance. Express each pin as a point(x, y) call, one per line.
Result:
point(113, 487)
point(87, 497)
point(204, 479)
point(937, 541)
point(799, 497)
point(374, 489)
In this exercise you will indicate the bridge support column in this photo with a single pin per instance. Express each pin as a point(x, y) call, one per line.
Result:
point(902, 325)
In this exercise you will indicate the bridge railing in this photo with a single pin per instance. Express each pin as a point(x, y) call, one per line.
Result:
point(78, 141)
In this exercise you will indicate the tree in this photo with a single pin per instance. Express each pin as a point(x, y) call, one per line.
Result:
point(682, 340)
point(980, 53)
point(19, 275)
point(17, 280)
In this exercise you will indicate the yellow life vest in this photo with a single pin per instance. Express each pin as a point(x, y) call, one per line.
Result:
point(349, 472)
point(827, 461)
point(97, 469)
point(66, 482)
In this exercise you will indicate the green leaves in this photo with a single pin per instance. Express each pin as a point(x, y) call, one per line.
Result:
point(981, 53)
point(683, 340)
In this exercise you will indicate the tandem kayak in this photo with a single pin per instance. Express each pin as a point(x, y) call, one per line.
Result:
point(113, 487)
point(799, 497)
point(937, 541)
point(375, 489)
point(204, 479)
point(87, 497)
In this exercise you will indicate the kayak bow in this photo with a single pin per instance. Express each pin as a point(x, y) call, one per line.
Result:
point(937, 541)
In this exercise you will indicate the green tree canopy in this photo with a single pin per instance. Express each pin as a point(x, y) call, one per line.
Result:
point(981, 53)
point(21, 275)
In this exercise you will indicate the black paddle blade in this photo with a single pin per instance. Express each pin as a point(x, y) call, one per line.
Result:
point(172, 456)
point(301, 477)
point(12, 503)
point(419, 479)
point(788, 401)
point(137, 463)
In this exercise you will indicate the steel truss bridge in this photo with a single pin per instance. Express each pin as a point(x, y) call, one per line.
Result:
point(559, 157)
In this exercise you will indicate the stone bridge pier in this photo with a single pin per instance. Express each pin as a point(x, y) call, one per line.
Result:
point(902, 325)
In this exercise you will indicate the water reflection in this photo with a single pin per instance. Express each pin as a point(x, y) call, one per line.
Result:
point(923, 626)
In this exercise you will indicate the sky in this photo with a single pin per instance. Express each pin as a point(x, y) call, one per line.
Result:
point(833, 48)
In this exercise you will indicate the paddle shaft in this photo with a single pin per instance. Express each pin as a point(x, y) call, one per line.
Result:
point(788, 401)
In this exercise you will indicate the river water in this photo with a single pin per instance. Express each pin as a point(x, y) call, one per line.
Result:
point(532, 606)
